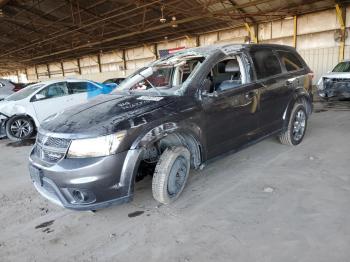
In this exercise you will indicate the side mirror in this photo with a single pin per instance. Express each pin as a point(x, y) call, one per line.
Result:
point(39, 97)
point(207, 94)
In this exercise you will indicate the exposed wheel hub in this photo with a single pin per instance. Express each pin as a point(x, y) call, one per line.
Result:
point(177, 176)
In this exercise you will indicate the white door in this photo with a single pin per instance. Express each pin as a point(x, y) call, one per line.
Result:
point(80, 91)
point(52, 99)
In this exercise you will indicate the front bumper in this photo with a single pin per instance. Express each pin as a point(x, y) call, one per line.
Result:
point(103, 181)
point(2, 126)
point(335, 88)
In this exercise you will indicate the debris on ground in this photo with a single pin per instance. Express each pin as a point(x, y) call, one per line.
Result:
point(45, 224)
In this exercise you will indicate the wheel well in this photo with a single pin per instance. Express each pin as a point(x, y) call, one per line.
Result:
point(306, 102)
point(153, 151)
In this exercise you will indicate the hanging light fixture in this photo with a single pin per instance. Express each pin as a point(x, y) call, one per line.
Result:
point(173, 22)
point(162, 19)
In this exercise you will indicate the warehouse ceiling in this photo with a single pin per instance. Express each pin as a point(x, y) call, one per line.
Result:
point(43, 31)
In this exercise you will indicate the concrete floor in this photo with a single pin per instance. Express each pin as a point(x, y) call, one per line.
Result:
point(268, 202)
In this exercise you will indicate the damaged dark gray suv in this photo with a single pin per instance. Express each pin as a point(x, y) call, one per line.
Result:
point(169, 117)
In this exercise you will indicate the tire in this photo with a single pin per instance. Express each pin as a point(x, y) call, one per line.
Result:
point(170, 175)
point(19, 128)
point(297, 125)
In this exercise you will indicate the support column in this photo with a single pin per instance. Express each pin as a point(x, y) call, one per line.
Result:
point(124, 59)
point(341, 19)
point(198, 40)
point(156, 51)
point(79, 68)
point(48, 70)
point(99, 62)
point(62, 69)
point(36, 72)
point(295, 34)
point(26, 72)
point(251, 32)
point(17, 76)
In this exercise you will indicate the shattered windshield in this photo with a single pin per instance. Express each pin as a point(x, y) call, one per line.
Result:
point(342, 67)
point(164, 77)
point(23, 93)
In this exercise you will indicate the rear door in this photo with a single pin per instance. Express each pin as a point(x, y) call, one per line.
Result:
point(296, 75)
point(50, 100)
point(275, 93)
point(81, 91)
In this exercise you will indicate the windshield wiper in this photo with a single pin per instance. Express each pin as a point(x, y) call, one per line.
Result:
point(159, 93)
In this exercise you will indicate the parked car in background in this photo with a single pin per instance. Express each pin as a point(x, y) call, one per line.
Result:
point(336, 83)
point(168, 117)
point(18, 86)
point(6, 88)
point(22, 113)
point(114, 81)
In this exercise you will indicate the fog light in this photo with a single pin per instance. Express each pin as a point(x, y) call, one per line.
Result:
point(79, 196)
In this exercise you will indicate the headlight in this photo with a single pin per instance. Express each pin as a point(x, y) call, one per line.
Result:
point(320, 84)
point(95, 147)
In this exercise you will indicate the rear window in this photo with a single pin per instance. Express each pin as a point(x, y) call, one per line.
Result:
point(266, 63)
point(290, 61)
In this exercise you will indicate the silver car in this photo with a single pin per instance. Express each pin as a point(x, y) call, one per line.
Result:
point(6, 88)
point(335, 83)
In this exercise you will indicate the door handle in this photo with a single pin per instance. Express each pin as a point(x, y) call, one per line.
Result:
point(250, 95)
point(289, 82)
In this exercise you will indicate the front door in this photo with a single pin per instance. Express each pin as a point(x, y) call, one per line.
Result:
point(231, 118)
point(230, 105)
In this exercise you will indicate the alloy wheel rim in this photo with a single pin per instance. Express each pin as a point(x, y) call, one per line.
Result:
point(20, 128)
point(177, 176)
point(299, 125)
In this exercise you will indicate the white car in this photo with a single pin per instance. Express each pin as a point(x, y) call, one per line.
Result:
point(335, 83)
point(21, 113)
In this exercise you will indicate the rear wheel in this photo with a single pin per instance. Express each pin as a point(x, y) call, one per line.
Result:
point(171, 174)
point(297, 124)
point(19, 128)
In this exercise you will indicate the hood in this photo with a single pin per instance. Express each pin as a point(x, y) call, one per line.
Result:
point(6, 107)
point(336, 75)
point(3, 95)
point(103, 115)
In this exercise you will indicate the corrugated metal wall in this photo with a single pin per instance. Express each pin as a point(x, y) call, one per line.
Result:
point(320, 60)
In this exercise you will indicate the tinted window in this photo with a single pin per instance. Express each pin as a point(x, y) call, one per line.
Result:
point(290, 61)
point(266, 63)
point(54, 90)
point(23, 93)
point(78, 87)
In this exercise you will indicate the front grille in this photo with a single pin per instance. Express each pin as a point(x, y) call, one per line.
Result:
point(337, 83)
point(53, 141)
point(51, 149)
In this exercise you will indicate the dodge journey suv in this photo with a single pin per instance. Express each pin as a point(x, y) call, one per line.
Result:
point(169, 117)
